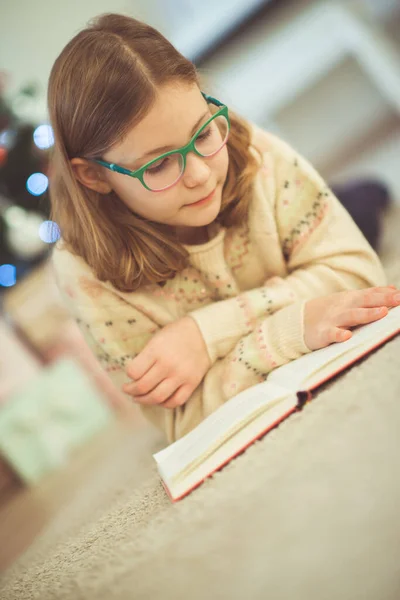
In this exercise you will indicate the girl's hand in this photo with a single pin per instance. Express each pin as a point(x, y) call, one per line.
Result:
point(170, 366)
point(327, 318)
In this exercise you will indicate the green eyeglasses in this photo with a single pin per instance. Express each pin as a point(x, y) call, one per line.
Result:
point(166, 170)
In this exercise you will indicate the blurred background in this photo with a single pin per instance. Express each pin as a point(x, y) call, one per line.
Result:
point(324, 75)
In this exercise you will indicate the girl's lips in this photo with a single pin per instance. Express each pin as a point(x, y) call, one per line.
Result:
point(203, 200)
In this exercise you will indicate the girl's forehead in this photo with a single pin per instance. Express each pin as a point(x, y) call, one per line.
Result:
point(169, 122)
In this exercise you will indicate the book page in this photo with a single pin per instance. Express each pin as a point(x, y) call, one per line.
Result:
point(217, 426)
point(261, 400)
point(218, 456)
point(310, 368)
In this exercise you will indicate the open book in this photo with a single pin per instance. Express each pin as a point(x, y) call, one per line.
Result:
point(250, 414)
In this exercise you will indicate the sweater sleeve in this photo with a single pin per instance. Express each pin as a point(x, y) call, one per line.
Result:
point(115, 330)
point(275, 341)
point(324, 250)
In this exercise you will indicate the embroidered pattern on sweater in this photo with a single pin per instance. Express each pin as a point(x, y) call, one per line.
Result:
point(255, 304)
point(259, 359)
point(249, 363)
point(237, 246)
point(114, 340)
point(106, 360)
point(220, 285)
point(243, 368)
point(244, 305)
point(121, 348)
point(187, 288)
point(306, 224)
point(202, 287)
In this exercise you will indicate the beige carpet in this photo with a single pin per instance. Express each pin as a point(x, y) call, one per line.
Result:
point(312, 511)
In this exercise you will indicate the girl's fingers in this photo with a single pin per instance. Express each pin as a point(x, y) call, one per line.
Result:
point(179, 397)
point(146, 383)
point(140, 365)
point(340, 335)
point(375, 297)
point(159, 394)
point(361, 316)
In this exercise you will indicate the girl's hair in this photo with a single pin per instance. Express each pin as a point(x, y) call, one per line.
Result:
point(103, 83)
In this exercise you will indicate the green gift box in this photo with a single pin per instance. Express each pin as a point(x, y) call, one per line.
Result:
point(44, 422)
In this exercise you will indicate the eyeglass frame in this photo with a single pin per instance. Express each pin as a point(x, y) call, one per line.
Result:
point(183, 151)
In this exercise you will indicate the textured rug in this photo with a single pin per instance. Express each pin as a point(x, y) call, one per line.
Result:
point(309, 512)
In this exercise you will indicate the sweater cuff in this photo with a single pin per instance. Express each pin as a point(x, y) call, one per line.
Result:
point(286, 328)
point(220, 327)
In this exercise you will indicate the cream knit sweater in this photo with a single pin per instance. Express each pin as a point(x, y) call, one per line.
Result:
point(245, 288)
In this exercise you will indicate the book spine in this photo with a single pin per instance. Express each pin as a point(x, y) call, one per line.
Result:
point(303, 396)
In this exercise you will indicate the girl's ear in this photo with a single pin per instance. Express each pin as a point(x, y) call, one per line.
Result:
point(90, 175)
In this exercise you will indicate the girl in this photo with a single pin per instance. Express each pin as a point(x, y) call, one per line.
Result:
point(198, 252)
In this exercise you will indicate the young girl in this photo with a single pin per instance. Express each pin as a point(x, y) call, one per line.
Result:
point(198, 252)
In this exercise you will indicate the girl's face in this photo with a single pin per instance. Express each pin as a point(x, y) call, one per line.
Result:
point(179, 111)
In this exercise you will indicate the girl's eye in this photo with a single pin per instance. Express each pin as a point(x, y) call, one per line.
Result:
point(205, 134)
point(157, 166)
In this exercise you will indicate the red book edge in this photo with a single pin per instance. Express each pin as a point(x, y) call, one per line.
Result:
point(303, 396)
point(225, 462)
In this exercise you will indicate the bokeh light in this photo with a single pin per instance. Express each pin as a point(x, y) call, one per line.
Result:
point(14, 216)
point(8, 275)
point(37, 184)
point(7, 138)
point(43, 136)
point(49, 232)
point(3, 156)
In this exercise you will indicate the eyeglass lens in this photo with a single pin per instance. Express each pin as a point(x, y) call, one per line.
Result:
point(165, 172)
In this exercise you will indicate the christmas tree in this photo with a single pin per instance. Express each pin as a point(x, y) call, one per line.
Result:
point(26, 232)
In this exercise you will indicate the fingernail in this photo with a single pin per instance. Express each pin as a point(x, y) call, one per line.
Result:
point(396, 297)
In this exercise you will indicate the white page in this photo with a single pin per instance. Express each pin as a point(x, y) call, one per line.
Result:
point(229, 448)
point(281, 382)
point(179, 454)
point(294, 374)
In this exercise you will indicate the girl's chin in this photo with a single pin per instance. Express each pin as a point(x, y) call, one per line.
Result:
point(189, 230)
point(204, 218)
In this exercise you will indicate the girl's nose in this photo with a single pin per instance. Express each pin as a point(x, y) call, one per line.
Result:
point(197, 170)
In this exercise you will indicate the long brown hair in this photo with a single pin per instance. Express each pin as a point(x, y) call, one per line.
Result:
point(102, 84)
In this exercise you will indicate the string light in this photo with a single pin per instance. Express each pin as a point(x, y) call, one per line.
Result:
point(37, 184)
point(49, 232)
point(43, 136)
point(8, 275)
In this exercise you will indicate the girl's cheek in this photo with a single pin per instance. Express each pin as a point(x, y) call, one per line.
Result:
point(224, 164)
